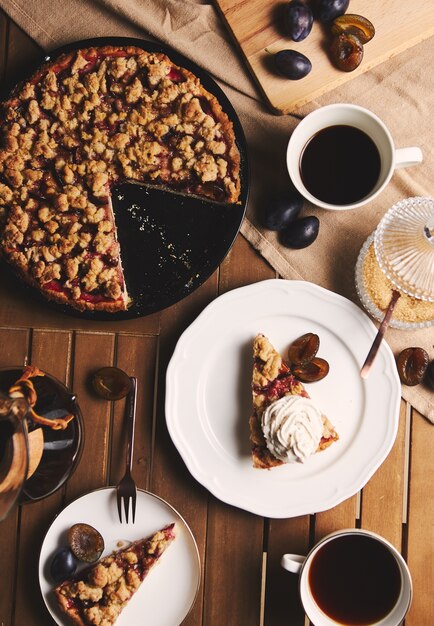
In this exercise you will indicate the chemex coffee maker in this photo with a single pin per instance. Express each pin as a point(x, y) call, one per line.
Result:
point(14, 458)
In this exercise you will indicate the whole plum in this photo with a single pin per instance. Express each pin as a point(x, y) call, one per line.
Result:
point(328, 10)
point(301, 233)
point(298, 20)
point(283, 211)
point(63, 565)
point(292, 64)
point(430, 374)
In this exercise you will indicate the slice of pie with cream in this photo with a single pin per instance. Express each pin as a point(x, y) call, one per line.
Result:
point(98, 594)
point(286, 426)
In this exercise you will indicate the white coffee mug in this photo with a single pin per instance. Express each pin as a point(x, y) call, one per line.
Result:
point(348, 115)
point(302, 565)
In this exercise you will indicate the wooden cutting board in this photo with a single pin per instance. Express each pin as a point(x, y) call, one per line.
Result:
point(257, 25)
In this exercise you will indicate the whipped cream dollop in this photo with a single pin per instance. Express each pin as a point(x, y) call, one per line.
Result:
point(292, 428)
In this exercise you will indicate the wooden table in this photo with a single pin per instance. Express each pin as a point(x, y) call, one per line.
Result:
point(242, 582)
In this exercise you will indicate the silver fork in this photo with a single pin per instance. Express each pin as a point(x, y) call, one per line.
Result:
point(126, 490)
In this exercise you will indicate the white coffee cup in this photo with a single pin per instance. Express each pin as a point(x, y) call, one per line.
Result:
point(302, 565)
point(366, 121)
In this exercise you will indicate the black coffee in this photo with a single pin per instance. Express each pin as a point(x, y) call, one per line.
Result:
point(340, 165)
point(355, 580)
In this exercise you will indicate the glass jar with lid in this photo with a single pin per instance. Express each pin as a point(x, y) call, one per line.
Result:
point(399, 255)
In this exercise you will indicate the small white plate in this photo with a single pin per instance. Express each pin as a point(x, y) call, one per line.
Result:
point(168, 592)
point(208, 397)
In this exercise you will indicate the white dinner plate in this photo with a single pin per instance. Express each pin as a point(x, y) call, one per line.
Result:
point(208, 397)
point(168, 592)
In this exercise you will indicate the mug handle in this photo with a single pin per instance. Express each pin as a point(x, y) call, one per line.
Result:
point(404, 157)
point(292, 562)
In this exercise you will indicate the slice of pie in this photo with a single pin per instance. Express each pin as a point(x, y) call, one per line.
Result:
point(98, 594)
point(272, 382)
point(80, 125)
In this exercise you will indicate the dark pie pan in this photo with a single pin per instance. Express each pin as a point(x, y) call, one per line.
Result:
point(170, 244)
point(62, 448)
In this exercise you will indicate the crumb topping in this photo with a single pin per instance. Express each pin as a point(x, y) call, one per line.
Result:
point(272, 361)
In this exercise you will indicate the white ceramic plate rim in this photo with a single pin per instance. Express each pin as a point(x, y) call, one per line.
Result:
point(229, 324)
point(147, 599)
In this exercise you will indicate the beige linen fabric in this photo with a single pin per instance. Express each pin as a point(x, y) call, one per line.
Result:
point(400, 91)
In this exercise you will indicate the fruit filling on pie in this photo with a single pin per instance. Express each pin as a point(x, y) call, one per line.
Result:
point(285, 426)
point(82, 124)
point(97, 595)
point(284, 383)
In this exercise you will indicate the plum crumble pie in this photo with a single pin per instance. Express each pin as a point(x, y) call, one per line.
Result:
point(81, 124)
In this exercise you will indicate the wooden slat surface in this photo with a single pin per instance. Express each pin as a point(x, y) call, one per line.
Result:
point(420, 531)
point(242, 582)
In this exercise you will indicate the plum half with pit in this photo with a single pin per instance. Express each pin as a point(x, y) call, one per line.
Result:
point(346, 52)
point(412, 364)
point(302, 359)
point(111, 383)
point(357, 25)
point(86, 543)
point(312, 371)
point(303, 349)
